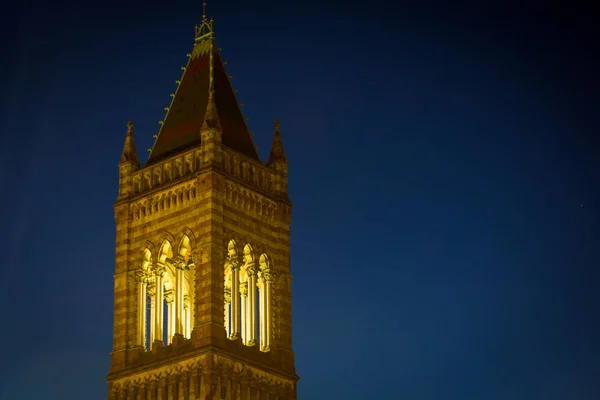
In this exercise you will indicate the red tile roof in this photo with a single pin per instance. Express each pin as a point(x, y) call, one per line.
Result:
point(181, 128)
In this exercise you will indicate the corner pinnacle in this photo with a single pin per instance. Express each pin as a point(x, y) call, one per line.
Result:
point(277, 155)
point(129, 151)
point(211, 118)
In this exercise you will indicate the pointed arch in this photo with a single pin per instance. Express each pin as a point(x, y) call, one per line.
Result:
point(248, 255)
point(165, 252)
point(232, 248)
point(146, 259)
point(264, 262)
point(164, 235)
point(191, 237)
point(148, 245)
point(185, 248)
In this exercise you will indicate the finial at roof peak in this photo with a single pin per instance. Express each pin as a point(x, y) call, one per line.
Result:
point(206, 28)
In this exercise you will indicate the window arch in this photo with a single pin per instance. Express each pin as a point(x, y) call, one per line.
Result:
point(247, 296)
point(165, 293)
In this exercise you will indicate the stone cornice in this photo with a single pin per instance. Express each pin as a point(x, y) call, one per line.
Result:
point(206, 362)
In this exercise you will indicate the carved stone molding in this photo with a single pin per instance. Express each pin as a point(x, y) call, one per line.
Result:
point(163, 201)
point(251, 202)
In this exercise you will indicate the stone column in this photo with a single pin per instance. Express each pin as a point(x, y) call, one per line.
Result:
point(244, 389)
point(159, 307)
point(186, 316)
point(184, 387)
point(194, 390)
point(141, 392)
point(226, 386)
point(152, 293)
point(268, 312)
point(235, 387)
point(162, 389)
point(235, 300)
point(244, 309)
point(227, 313)
point(172, 387)
point(141, 315)
point(179, 276)
point(261, 311)
point(152, 395)
point(170, 315)
point(251, 306)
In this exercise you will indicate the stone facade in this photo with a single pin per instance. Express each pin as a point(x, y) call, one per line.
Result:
point(188, 226)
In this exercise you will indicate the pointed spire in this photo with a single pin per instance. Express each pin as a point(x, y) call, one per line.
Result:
point(277, 154)
point(129, 151)
point(204, 76)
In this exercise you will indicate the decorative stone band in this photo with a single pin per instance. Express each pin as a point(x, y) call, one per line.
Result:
point(197, 376)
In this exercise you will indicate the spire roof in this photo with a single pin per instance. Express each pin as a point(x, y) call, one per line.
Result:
point(129, 151)
point(203, 76)
point(277, 152)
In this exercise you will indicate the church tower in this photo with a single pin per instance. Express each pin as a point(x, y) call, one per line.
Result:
point(202, 296)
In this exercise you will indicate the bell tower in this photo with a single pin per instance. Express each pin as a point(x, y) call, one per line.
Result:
point(202, 295)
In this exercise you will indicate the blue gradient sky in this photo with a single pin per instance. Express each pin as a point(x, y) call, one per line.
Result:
point(444, 171)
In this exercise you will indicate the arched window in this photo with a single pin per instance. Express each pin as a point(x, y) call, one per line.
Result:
point(248, 293)
point(165, 306)
point(163, 284)
point(247, 297)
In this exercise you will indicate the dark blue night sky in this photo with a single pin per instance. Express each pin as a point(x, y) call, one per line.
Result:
point(444, 171)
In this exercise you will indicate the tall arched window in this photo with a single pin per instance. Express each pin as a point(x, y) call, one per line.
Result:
point(249, 298)
point(164, 303)
point(163, 284)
